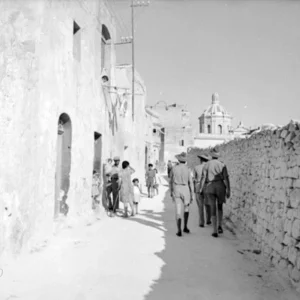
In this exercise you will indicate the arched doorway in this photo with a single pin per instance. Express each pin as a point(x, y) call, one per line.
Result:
point(63, 164)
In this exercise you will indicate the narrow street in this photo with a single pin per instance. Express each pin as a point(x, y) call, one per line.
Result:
point(141, 258)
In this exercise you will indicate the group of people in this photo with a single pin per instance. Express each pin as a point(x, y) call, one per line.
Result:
point(120, 187)
point(208, 183)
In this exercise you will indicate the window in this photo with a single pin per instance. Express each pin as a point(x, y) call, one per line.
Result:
point(181, 143)
point(76, 41)
point(220, 129)
point(208, 129)
point(105, 48)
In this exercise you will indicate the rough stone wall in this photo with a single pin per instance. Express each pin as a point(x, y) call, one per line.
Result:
point(40, 79)
point(265, 182)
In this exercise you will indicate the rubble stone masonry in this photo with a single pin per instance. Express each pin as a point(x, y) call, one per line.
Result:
point(265, 192)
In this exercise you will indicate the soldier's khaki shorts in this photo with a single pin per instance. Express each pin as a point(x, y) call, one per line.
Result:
point(215, 191)
point(182, 194)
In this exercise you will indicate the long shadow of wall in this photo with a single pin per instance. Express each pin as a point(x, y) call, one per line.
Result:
point(196, 266)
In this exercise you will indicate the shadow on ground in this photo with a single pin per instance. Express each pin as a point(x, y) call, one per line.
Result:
point(197, 266)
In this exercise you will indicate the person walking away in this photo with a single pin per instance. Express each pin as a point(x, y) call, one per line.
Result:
point(107, 182)
point(150, 180)
point(157, 182)
point(181, 188)
point(113, 188)
point(216, 179)
point(169, 167)
point(136, 194)
point(200, 198)
point(95, 189)
point(126, 188)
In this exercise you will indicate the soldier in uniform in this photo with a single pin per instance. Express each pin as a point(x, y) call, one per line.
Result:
point(200, 199)
point(181, 188)
point(113, 188)
point(217, 188)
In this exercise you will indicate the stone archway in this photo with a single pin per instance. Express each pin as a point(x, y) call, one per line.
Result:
point(63, 164)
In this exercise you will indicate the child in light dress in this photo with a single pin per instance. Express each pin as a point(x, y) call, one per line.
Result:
point(137, 195)
point(157, 181)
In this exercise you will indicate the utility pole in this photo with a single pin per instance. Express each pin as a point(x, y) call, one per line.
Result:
point(133, 6)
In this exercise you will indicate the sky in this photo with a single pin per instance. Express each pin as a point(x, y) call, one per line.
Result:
point(246, 51)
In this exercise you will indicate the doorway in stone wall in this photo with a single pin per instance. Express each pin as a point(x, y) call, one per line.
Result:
point(97, 152)
point(146, 157)
point(96, 192)
point(63, 164)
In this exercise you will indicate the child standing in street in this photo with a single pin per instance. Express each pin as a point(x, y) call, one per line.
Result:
point(137, 194)
point(150, 180)
point(157, 181)
point(95, 189)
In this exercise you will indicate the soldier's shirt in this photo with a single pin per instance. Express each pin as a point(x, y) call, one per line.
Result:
point(198, 175)
point(181, 184)
point(214, 170)
point(180, 175)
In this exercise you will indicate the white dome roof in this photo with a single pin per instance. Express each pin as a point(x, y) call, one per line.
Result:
point(215, 109)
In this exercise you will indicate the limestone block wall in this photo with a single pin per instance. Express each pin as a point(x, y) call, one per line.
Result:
point(265, 181)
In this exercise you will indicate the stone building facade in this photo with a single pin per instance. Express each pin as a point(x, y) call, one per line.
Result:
point(58, 120)
point(175, 119)
point(155, 137)
point(264, 172)
point(131, 134)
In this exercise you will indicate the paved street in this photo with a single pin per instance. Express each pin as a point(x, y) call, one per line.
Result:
point(140, 258)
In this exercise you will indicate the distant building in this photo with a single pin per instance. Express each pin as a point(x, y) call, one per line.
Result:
point(175, 119)
point(214, 125)
point(154, 140)
point(241, 131)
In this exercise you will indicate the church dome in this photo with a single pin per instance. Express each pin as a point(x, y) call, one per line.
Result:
point(215, 109)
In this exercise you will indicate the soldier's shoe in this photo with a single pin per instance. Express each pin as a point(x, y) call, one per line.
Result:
point(179, 233)
point(186, 230)
point(220, 230)
point(201, 225)
point(208, 223)
point(215, 235)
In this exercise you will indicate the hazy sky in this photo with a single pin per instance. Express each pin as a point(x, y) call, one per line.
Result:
point(247, 51)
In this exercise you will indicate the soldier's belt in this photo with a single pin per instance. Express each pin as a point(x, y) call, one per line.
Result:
point(214, 181)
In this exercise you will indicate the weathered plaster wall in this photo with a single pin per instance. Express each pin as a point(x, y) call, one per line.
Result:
point(131, 131)
point(40, 80)
point(265, 179)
